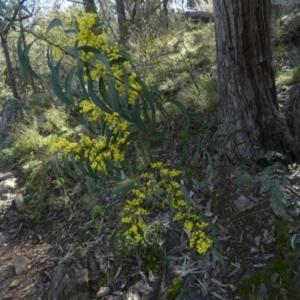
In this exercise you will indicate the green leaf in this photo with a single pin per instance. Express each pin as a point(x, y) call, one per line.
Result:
point(172, 210)
point(127, 57)
point(50, 59)
point(82, 168)
point(71, 31)
point(184, 112)
point(95, 97)
point(219, 254)
point(24, 58)
point(3, 24)
point(31, 29)
point(68, 83)
point(103, 91)
point(124, 98)
point(185, 155)
point(117, 235)
point(136, 119)
point(21, 7)
point(149, 99)
point(72, 51)
point(186, 194)
point(57, 162)
point(80, 77)
point(112, 166)
point(54, 23)
point(98, 56)
point(127, 140)
point(3, 6)
point(115, 103)
point(124, 189)
point(90, 170)
point(68, 167)
point(56, 85)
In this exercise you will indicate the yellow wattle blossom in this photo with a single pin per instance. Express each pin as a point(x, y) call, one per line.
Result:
point(96, 150)
point(86, 37)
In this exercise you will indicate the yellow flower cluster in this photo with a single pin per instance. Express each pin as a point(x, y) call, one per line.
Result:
point(89, 107)
point(200, 241)
point(185, 214)
point(96, 150)
point(87, 37)
point(167, 183)
point(135, 214)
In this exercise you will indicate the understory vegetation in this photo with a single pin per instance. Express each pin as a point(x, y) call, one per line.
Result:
point(130, 146)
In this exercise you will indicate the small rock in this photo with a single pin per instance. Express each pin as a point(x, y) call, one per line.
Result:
point(132, 296)
point(20, 263)
point(69, 284)
point(242, 203)
point(189, 290)
point(4, 197)
point(2, 239)
point(5, 175)
point(103, 291)
point(224, 270)
point(7, 185)
point(15, 283)
point(19, 202)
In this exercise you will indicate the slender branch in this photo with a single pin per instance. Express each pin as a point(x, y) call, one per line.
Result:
point(75, 2)
point(108, 23)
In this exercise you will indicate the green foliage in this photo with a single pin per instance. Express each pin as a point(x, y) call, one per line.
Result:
point(27, 144)
point(38, 176)
point(289, 78)
point(174, 290)
point(152, 260)
point(92, 206)
point(54, 120)
point(181, 64)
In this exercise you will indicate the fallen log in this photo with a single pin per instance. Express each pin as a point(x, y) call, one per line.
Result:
point(197, 16)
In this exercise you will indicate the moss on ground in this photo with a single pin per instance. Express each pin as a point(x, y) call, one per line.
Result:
point(152, 260)
point(175, 289)
point(278, 275)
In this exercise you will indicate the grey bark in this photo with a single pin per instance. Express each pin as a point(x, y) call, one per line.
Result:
point(135, 9)
point(122, 22)
point(165, 13)
point(3, 36)
point(90, 6)
point(246, 83)
point(12, 79)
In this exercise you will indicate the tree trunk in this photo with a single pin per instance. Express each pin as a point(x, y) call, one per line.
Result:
point(135, 9)
point(245, 77)
point(10, 73)
point(122, 22)
point(90, 6)
point(165, 13)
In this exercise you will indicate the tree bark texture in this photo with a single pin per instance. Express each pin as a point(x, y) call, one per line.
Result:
point(90, 6)
point(9, 67)
point(165, 13)
point(246, 83)
point(122, 22)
